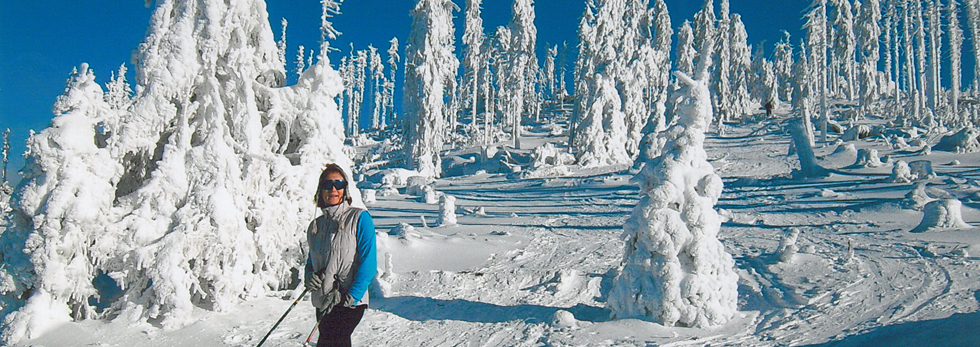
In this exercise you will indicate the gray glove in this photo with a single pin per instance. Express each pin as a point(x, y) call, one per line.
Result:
point(332, 299)
point(314, 282)
point(349, 301)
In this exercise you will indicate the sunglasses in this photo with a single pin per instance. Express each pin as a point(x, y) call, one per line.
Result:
point(336, 184)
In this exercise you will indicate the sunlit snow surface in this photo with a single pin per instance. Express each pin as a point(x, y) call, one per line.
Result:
point(545, 246)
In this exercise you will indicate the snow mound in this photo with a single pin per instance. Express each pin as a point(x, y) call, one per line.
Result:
point(868, 157)
point(901, 173)
point(963, 141)
point(942, 214)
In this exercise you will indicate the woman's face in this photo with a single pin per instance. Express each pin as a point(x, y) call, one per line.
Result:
point(331, 195)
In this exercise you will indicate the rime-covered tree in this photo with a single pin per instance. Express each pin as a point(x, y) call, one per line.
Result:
point(704, 28)
point(376, 67)
point(844, 48)
point(393, 59)
point(721, 82)
point(686, 52)
point(955, 56)
point(551, 55)
point(803, 91)
point(783, 66)
point(934, 52)
point(741, 72)
point(675, 270)
point(431, 65)
point(523, 65)
point(817, 41)
point(659, 83)
point(207, 176)
point(867, 34)
point(585, 70)
point(473, 38)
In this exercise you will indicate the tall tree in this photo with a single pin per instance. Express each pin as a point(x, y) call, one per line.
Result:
point(524, 65)
point(393, 59)
point(430, 69)
point(473, 38)
point(686, 51)
point(955, 58)
point(816, 27)
point(868, 33)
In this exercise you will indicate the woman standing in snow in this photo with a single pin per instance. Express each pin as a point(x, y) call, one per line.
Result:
point(342, 260)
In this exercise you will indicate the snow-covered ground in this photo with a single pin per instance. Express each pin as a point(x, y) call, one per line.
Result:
point(533, 267)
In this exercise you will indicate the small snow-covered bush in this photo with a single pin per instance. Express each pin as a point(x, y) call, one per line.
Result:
point(942, 214)
point(921, 195)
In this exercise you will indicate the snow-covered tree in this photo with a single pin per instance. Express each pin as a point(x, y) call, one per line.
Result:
point(721, 82)
point(5, 151)
point(523, 65)
point(393, 58)
point(431, 65)
point(844, 48)
point(783, 66)
point(551, 56)
point(377, 69)
point(585, 70)
point(675, 270)
point(686, 53)
point(955, 56)
point(817, 41)
point(934, 62)
point(741, 72)
point(473, 38)
point(118, 91)
point(199, 197)
point(868, 33)
point(704, 28)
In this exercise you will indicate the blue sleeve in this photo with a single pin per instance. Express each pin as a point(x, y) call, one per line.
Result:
point(309, 266)
point(366, 256)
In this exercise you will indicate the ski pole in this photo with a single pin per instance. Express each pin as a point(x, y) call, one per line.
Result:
point(301, 295)
point(310, 338)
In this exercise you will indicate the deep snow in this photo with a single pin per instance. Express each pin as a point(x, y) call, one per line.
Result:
point(547, 247)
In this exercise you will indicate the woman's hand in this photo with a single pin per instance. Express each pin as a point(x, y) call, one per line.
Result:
point(314, 282)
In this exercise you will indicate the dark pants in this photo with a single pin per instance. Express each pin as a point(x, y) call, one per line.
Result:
point(337, 327)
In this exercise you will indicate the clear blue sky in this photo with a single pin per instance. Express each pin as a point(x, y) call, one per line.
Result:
point(41, 41)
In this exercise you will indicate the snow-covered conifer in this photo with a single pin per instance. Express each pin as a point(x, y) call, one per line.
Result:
point(685, 49)
point(817, 41)
point(675, 270)
point(199, 197)
point(473, 38)
point(549, 71)
point(430, 69)
point(377, 83)
point(868, 33)
point(118, 91)
point(393, 58)
point(934, 62)
point(783, 67)
point(844, 48)
point(523, 64)
point(955, 56)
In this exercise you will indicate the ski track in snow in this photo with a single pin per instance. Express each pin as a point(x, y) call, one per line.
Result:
point(550, 244)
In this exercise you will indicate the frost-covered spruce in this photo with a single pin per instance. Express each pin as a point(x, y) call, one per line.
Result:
point(675, 270)
point(194, 195)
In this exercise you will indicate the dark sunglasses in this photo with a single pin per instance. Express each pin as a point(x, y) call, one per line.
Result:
point(336, 184)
